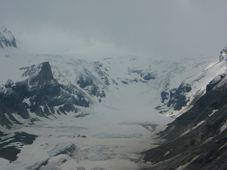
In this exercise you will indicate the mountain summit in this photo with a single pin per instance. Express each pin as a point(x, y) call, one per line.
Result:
point(44, 75)
point(223, 54)
point(6, 38)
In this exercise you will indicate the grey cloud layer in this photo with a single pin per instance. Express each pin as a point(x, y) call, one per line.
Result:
point(178, 28)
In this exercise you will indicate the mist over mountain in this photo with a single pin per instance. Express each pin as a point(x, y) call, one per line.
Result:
point(167, 29)
point(67, 111)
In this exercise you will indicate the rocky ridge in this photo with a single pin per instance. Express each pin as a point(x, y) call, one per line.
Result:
point(190, 89)
point(40, 94)
point(197, 138)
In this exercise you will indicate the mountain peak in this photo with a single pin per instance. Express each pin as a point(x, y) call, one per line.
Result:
point(6, 38)
point(223, 54)
point(44, 75)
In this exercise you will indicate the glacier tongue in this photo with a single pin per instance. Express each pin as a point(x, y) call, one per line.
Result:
point(122, 93)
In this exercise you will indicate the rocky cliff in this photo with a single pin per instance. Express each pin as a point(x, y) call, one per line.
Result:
point(40, 94)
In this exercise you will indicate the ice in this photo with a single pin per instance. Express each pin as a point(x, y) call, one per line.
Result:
point(76, 135)
point(133, 157)
point(147, 125)
point(80, 168)
point(62, 147)
point(105, 135)
point(97, 168)
point(109, 134)
point(55, 163)
point(95, 154)
point(37, 165)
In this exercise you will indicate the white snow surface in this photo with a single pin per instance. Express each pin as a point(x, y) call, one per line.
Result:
point(117, 129)
point(199, 81)
point(6, 33)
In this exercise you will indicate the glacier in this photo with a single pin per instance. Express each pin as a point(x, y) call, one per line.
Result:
point(126, 109)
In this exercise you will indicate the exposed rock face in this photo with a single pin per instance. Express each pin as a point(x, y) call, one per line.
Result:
point(146, 75)
point(44, 76)
point(149, 76)
point(7, 39)
point(214, 82)
point(91, 87)
point(177, 96)
point(164, 96)
point(40, 94)
point(8, 146)
point(197, 137)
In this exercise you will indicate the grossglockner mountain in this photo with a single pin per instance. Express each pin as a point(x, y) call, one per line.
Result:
point(68, 111)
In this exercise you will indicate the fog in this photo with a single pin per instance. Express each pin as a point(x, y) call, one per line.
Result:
point(167, 29)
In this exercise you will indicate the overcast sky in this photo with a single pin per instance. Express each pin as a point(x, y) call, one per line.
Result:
point(164, 28)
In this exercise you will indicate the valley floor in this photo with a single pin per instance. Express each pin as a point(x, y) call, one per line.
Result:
point(110, 137)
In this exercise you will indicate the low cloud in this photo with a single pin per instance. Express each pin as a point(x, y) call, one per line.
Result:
point(166, 29)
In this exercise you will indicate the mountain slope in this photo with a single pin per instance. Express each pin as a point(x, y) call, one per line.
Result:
point(179, 100)
point(197, 138)
point(40, 94)
point(68, 111)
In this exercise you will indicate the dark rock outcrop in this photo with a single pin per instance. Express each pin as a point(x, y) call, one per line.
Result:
point(214, 82)
point(164, 96)
point(9, 151)
point(40, 94)
point(91, 87)
point(177, 96)
point(146, 75)
point(149, 76)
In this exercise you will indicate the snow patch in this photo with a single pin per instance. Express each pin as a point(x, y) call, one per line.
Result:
point(166, 153)
point(193, 128)
point(214, 111)
point(222, 146)
point(223, 127)
point(27, 101)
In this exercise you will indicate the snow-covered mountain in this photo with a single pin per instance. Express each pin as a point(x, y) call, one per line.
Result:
point(80, 112)
point(87, 82)
point(6, 38)
point(197, 138)
point(193, 87)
